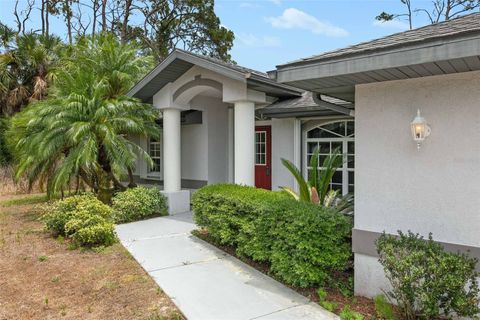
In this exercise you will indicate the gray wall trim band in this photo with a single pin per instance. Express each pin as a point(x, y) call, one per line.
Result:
point(363, 242)
point(186, 183)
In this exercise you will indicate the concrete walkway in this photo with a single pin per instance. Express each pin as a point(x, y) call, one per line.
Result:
point(206, 283)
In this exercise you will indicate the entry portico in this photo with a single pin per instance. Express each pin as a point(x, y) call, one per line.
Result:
point(219, 101)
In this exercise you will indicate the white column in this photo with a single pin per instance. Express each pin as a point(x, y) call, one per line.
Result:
point(244, 135)
point(297, 149)
point(231, 142)
point(171, 150)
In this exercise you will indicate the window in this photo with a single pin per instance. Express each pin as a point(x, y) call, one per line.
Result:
point(338, 135)
point(155, 152)
point(260, 148)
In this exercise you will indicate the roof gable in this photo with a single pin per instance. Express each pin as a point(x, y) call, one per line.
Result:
point(180, 61)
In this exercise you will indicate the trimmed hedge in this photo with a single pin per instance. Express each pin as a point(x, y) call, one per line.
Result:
point(139, 203)
point(305, 244)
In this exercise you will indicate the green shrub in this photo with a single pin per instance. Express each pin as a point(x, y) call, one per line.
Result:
point(427, 281)
point(84, 219)
point(226, 209)
point(383, 309)
point(139, 203)
point(58, 213)
point(5, 155)
point(322, 294)
point(348, 314)
point(92, 232)
point(328, 305)
point(303, 243)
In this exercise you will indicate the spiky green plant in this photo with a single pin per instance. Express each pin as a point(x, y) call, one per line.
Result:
point(27, 62)
point(317, 188)
point(81, 130)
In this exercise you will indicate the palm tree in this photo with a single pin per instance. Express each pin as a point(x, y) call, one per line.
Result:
point(81, 130)
point(317, 189)
point(26, 65)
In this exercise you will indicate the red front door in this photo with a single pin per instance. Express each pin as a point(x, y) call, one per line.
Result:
point(263, 157)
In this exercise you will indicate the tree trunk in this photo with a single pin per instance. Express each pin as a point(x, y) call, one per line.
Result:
point(69, 20)
point(105, 195)
point(117, 184)
point(409, 7)
point(42, 13)
point(126, 17)
point(94, 14)
point(448, 10)
point(131, 182)
point(104, 15)
point(47, 24)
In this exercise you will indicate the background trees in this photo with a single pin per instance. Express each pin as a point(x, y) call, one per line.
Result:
point(76, 124)
point(26, 65)
point(438, 10)
point(157, 26)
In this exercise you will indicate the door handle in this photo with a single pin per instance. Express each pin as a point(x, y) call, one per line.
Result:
point(268, 171)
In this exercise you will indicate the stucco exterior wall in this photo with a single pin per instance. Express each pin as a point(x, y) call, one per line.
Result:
point(194, 151)
point(216, 118)
point(397, 187)
point(204, 146)
point(283, 146)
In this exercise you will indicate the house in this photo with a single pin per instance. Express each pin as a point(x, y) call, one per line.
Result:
point(220, 124)
point(225, 123)
point(398, 186)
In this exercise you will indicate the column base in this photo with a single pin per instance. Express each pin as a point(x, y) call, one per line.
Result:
point(178, 201)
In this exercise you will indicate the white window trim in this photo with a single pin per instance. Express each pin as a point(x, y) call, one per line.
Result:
point(266, 151)
point(345, 140)
point(156, 174)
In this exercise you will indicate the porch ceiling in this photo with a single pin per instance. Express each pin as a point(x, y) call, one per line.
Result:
point(443, 48)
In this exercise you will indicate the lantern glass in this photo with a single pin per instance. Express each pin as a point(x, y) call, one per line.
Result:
point(420, 129)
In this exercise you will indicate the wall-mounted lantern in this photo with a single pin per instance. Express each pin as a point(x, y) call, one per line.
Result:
point(420, 129)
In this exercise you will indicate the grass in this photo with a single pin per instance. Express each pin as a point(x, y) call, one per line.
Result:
point(26, 200)
point(42, 279)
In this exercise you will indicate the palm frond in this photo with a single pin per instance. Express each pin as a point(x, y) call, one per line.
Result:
point(329, 167)
point(290, 192)
point(304, 188)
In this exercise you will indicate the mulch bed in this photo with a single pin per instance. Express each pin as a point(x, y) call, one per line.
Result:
point(362, 305)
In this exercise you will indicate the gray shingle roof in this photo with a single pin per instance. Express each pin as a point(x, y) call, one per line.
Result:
point(454, 27)
point(306, 101)
point(302, 104)
point(230, 65)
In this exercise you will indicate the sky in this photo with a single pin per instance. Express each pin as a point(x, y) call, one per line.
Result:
point(273, 32)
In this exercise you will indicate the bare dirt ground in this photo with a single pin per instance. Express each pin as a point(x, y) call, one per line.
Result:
point(40, 278)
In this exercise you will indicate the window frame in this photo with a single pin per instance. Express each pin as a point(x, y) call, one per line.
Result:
point(151, 172)
point(264, 143)
point(345, 139)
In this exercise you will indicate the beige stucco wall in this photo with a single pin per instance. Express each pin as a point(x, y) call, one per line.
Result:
point(435, 189)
